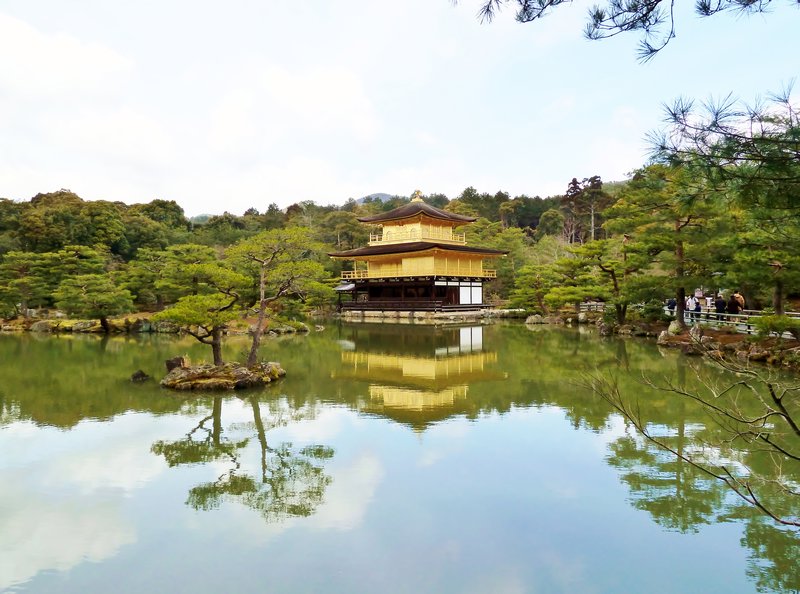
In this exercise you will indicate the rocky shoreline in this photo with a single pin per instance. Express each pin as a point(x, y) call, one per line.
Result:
point(697, 340)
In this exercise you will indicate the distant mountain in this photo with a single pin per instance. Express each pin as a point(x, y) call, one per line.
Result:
point(200, 219)
point(382, 197)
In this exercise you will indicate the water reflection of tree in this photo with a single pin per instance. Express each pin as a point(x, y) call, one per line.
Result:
point(689, 464)
point(677, 495)
point(291, 481)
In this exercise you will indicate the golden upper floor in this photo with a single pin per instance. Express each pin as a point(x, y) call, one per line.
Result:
point(420, 229)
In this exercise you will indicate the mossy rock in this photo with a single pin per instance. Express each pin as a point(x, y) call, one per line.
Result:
point(42, 326)
point(230, 376)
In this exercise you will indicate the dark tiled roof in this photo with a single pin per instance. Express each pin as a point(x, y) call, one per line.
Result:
point(414, 208)
point(415, 246)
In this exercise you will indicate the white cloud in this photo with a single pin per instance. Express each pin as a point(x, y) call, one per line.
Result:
point(616, 157)
point(121, 135)
point(37, 64)
point(317, 100)
point(232, 120)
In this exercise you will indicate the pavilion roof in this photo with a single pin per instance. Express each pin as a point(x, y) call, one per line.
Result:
point(412, 209)
point(414, 246)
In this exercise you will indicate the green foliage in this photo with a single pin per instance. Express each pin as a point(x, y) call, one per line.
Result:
point(216, 302)
point(582, 205)
point(23, 281)
point(577, 282)
point(176, 272)
point(671, 228)
point(222, 230)
point(778, 325)
point(653, 311)
point(533, 284)
point(550, 223)
point(278, 257)
point(342, 229)
point(655, 20)
point(166, 212)
point(10, 213)
point(204, 311)
point(92, 296)
point(485, 233)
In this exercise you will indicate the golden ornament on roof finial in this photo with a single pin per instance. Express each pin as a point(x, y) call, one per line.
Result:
point(416, 196)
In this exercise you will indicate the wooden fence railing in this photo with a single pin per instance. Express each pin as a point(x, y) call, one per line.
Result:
point(743, 322)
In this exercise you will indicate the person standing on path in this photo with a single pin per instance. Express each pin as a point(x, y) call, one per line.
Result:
point(734, 307)
point(740, 298)
point(719, 306)
point(691, 305)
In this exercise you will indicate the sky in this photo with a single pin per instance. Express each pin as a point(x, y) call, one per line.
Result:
point(226, 106)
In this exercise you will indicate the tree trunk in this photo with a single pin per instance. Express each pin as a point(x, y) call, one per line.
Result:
point(252, 357)
point(680, 306)
point(262, 436)
point(104, 324)
point(777, 296)
point(216, 428)
point(216, 344)
point(680, 258)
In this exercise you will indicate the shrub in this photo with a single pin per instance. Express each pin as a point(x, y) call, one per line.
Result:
point(767, 325)
point(653, 311)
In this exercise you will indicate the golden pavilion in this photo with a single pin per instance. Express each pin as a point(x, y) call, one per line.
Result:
point(416, 261)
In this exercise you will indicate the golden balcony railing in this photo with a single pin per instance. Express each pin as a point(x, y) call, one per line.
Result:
point(397, 272)
point(415, 235)
point(354, 274)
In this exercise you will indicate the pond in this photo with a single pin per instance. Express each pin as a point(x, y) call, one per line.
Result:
point(390, 459)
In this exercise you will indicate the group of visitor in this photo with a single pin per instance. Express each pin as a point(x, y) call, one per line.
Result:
point(693, 306)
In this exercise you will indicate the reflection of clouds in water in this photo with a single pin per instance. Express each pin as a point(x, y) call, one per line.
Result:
point(551, 573)
point(327, 424)
point(109, 456)
point(442, 440)
point(355, 478)
point(500, 583)
point(348, 498)
point(66, 504)
point(567, 573)
point(44, 533)
point(354, 481)
point(345, 504)
point(123, 466)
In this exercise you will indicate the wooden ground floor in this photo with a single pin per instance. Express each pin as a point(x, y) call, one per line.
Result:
point(412, 294)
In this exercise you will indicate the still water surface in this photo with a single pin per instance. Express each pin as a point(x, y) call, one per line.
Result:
point(390, 459)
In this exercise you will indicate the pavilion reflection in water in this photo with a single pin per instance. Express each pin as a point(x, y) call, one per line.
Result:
point(416, 375)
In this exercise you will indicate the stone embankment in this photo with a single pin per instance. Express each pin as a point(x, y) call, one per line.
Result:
point(738, 348)
point(429, 317)
point(135, 324)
